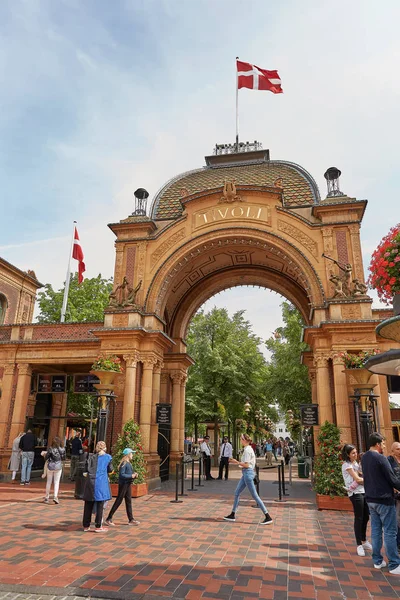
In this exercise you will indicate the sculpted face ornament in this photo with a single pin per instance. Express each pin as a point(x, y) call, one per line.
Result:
point(229, 193)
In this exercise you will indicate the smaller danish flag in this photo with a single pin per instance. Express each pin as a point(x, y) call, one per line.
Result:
point(252, 77)
point(78, 255)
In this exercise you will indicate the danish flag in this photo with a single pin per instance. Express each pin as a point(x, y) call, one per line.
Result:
point(78, 255)
point(252, 77)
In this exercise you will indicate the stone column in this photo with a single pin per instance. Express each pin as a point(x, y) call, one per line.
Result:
point(5, 402)
point(323, 388)
point(313, 381)
point(341, 399)
point(145, 406)
point(63, 422)
point(128, 409)
point(176, 411)
point(164, 387)
point(154, 402)
point(21, 400)
point(182, 413)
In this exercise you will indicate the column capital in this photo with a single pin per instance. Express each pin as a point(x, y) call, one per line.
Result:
point(131, 359)
point(337, 358)
point(311, 375)
point(178, 377)
point(24, 369)
point(321, 360)
point(9, 368)
point(149, 360)
point(158, 366)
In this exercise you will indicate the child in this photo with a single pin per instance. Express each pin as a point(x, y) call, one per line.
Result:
point(125, 479)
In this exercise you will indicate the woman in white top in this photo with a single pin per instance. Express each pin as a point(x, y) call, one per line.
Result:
point(353, 481)
point(247, 465)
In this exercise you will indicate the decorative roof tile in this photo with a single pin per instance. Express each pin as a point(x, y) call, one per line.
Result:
point(299, 188)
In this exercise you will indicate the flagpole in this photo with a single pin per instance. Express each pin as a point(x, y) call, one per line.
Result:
point(66, 290)
point(237, 108)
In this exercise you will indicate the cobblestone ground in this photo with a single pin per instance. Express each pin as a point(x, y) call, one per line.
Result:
point(186, 550)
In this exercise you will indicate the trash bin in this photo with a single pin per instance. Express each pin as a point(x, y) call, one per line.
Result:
point(303, 467)
point(80, 479)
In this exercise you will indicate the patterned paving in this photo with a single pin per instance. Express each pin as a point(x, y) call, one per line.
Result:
point(184, 551)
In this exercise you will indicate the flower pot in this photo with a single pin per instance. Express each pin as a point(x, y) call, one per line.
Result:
point(396, 304)
point(139, 489)
point(334, 503)
point(361, 376)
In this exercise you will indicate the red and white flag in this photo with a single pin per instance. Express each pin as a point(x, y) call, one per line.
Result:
point(252, 77)
point(78, 255)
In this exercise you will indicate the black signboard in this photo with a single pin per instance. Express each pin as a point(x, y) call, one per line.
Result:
point(83, 384)
point(58, 383)
point(163, 414)
point(44, 384)
point(309, 415)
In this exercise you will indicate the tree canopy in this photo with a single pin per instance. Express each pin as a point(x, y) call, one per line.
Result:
point(229, 367)
point(287, 379)
point(86, 301)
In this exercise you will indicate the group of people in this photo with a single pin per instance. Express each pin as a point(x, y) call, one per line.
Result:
point(374, 491)
point(278, 448)
point(22, 456)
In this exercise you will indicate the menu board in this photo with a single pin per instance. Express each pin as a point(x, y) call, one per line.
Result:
point(83, 384)
point(58, 383)
point(44, 384)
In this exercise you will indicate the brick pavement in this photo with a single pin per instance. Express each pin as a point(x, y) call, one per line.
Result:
point(184, 551)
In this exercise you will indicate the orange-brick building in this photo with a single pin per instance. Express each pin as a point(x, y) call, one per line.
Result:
point(241, 219)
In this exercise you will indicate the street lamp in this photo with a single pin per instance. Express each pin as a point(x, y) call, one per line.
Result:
point(247, 406)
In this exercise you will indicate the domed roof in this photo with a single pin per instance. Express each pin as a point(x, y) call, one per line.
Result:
point(299, 188)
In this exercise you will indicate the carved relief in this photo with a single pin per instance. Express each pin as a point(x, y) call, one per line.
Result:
point(337, 358)
point(183, 192)
point(351, 311)
point(120, 320)
point(131, 359)
point(123, 296)
point(142, 247)
point(162, 249)
point(278, 183)
point(119, 259)
point(229, 193)
point(297, 234)
point(357, 255)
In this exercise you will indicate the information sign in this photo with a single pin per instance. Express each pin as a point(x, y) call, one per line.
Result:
point(44, 384)
point(163, 414)
point(309, 415)
point(58, 383)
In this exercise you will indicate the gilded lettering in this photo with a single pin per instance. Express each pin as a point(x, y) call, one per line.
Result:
point(223, 215)
point(204, 215)
point(259, 213)
point(240, 213)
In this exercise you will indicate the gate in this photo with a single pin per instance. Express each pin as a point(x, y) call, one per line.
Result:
point(164, 436)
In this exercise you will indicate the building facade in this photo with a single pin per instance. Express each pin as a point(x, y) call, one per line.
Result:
point(242, 219)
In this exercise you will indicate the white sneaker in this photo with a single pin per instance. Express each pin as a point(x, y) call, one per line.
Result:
point(380, 566)
point(395, 571)
point(360, 550)
point(367, 546)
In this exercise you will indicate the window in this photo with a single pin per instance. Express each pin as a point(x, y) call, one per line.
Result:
point(3, 308)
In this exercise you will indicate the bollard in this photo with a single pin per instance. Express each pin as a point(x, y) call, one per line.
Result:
point(200, 463)
point(283, 479)
point(192, 489)
point(183, 478)
point(176, 484)
point(279, 483)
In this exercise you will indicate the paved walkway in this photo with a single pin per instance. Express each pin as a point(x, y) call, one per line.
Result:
point(184, 551)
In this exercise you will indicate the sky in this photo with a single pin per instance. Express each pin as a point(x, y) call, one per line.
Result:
point(99, 98)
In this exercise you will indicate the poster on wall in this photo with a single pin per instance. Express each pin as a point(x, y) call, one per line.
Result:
point(58, 383)
point(44, 384)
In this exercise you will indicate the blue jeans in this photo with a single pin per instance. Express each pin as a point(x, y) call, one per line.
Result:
point(27, 462)
point(383, 519)
point(247, 480)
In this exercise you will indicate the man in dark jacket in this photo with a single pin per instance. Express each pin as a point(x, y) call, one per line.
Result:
point(27, 445)
point(76, 452)
point(379, 481)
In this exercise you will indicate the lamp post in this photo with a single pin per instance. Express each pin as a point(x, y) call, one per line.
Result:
point(104, 399)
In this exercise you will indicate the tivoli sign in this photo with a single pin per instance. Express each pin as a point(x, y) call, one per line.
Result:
point(240, 212)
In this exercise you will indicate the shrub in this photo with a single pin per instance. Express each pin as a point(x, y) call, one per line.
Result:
point(130, 438)
point(328, 465)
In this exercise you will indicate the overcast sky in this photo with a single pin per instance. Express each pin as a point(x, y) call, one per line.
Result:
point(99, 98)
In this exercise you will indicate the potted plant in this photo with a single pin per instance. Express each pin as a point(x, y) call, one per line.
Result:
point(385, 269)
point(359, 376)
point(328, 478)
point(130, 437)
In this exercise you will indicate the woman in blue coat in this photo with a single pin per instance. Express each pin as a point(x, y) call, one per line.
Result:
point(97, 486)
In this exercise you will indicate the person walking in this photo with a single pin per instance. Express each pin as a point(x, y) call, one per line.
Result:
point(76, 452)
point(354, 483)
point(225, 454)
point(206, 453)
point(27, 445)
point(379, 483)
point(97, 486)
point(55, 456)
point(15, 459)
point(126, 475)
point(247, 464)
point(394, 460)
point(268, 453)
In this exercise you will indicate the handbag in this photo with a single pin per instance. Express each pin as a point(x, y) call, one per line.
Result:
point(256, 479)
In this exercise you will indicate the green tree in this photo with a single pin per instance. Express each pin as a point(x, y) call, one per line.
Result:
point(86, 301)
point(229, 367)
point(287, 379)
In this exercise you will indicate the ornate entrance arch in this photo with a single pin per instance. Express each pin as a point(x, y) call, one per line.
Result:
point(241, 219)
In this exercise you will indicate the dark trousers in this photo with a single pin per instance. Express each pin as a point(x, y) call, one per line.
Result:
point(87, 513)
point(223, 463)
point(361, 517)
point(207, 466)
point(124, 492)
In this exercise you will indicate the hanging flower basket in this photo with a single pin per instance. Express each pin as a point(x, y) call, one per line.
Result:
point(385, 267)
